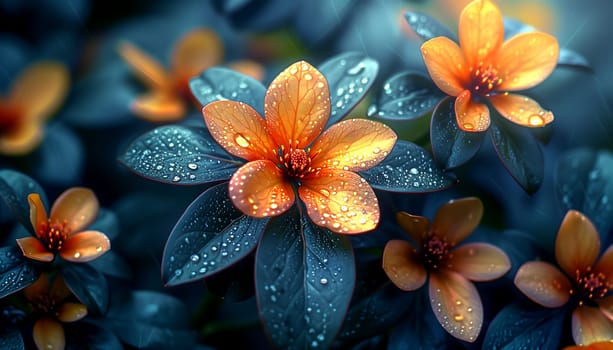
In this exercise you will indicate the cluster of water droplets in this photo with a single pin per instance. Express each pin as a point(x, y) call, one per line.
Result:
point(425, 26)
point(351, 88)
point(458, 318)
point(14, 272)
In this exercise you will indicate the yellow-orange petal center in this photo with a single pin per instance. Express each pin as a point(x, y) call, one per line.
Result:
point(484, 79)
point(53, 235)
point(590, 285)
point(434, 252)
point(296, 162)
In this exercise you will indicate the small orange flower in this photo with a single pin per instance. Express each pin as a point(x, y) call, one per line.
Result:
point(288, 153)
point(61, 232)
point(50, 305)
point(601, 345)
point(587, 282)
point(485, 68)
point(35, 95)
point(170, 94)
point(453, 298)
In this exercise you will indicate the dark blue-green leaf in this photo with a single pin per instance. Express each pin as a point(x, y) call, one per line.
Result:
point(106, 222)
point(426, 27)
point(85, 335)
point(112, 264)
point(219, 83)
point(179, 155)
point(59, 159)
point(88, 285)
point(409, 169)
point(520, 153)
point(16, 271)
point(210, 236)
point(10, 339)
point(304, 280)
point(451, 146)
point(14, 190)
point(350, 76)
point(329, 14)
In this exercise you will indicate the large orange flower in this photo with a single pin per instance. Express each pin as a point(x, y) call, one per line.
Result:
point(485, 68)
point(61, 232)
point(453, 298)
point(169, 96)
point(288, 153)
point(584, 280)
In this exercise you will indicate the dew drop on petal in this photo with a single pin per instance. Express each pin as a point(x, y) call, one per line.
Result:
point(536, 120)
point(241, 140)
point(77, 255)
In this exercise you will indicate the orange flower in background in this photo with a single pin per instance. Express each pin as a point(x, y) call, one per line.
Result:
point(584, 279)
point(34, 96)
point(62, 232)
point(169, 94)
point(288, 153)
point(602, 345)
point(484, 67)
point(50, 305)
point(448, 267)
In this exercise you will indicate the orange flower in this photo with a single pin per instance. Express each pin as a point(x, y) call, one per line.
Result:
point(49, 303)
point(453, 298)
point(167, 101)
point(587, 282)
point(485, 68)
point(288, 153)
point(62, 233)
point(35, 95)
point(601, 345)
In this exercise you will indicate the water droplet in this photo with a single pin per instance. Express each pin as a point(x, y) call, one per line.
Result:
point(192, 166)
point(98, 249)
point(323, 281)
point(356, 69)
point(468, 126)
point(458, 317)
point(77, 255)
point(176, 178)
point(241, 140)
point(194, 258)
point(536, 120)
point(414, 171)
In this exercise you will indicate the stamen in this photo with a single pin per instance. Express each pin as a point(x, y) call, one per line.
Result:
point(435, 251)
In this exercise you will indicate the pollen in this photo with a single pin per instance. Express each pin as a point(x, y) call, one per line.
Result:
point(54, 235)
point(484, 79)
point(435, 251)
point(296, 162)
point(590, 285)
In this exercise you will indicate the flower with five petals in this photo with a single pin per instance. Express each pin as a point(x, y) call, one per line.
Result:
point(449, 267)
point(289, 154)
point(62, 231)
point(584, 280)
point(484, 67)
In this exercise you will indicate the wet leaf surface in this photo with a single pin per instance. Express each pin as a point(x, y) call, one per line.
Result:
point(426, 27)
point(14, 190)
point(16, 271)
point(88, 285)
point(10, 339)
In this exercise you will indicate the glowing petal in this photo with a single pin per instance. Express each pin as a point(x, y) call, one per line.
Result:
point(527, 59)
point(416, 226)
point(260, 189)
point(521, 110)
point(471, 116)
point(589, 325)
point(602, 345)
point(85, 246)
point(38, 213)
point(48, 334)
point(446, 65)
point(77, 207)
point(457, 219)
point(543, 283)
point(340, 200)
point(148, 69)
point(41, 89)
point(456, 304)
point(481, 31)
point(354, 144)
point(34, 249)
point(250, 68)
point(159, 107)
point(402, 265)
point(605, 265)
point(70, 312)
point(194, 52)
point(480, 261)
point(240, 130)
point(578, 244)
point(297, 105)
point(21, 139)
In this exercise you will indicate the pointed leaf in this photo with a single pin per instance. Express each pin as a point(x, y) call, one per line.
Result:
point(14, 190)
point(426, 27)
point(519, 152)
point(88, 285)
point(10, 339)
point(210, 236)
point(179, 155)
point(106, 222)
point(452, 147)
point(408, 169)
point(304, 280)
point(350, 76)
point(112, 264)
point(16, 271)
point(218, 83)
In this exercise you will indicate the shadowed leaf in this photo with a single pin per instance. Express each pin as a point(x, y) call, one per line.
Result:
point(16, 271)
point(14, 190)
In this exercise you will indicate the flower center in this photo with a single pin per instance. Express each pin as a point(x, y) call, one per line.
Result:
point(296, 162)
point(590, 285)
point(9, 117)
point(54, 235)
point(484, 79)
point(435, 251)
point(44, 304)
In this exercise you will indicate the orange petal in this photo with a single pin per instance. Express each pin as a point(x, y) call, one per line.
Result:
point(480, 261)
point(297, 105)
point(340, 200)
point(456, 304)
point(471, 116)
point(250, 68)
point(22, 139)
point(33, 248)
point(543, 283)
point(41, 89)
point(147, 68)
point(240, 130)
point(416, 226)
point(39, 288)
point(446, 65)
point(457, 219)
point(589, 325)
point(70, 312)
point(521, 110)
point(354, 144)
point(159, 107)
point(85, 246)
point(527, 59)
point(577, 244)
point(606, 306)
point(481, 31)
point(605, 266)
point(402, 265)
point(77, 207)
point(260, 189)
point(48, 334)
point(602, 345)
point(38, 213)
point(194, 52)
